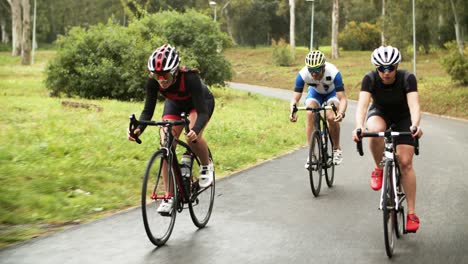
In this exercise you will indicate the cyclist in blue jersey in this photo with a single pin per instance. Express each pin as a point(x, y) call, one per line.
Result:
point(395, 102)
point(325, 86)
point(184, 92)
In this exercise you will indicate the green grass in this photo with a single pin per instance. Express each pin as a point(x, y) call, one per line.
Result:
point(63, 166)
point(438, 94)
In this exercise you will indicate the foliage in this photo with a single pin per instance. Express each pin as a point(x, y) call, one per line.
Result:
point(359, 36)
point(105, 61)
point(109, 61)
point(197, 38)
point(282, 53)
point(455, 64)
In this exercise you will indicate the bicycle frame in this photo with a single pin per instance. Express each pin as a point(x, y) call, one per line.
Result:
point(169, 148)
point(390, 155)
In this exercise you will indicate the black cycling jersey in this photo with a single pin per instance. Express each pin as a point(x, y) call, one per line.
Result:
point(188, 92)
point(390, 99)
point(390, 102)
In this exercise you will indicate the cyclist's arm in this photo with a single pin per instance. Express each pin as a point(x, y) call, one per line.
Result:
point(361, 109)
point(151, 88)
point(343, 101)
point(298, 88)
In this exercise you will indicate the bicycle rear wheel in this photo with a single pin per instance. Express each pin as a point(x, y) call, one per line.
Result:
point(201, 199)
point(388, 208)
point(158, 226)
point(328, 160)
point(315, 163)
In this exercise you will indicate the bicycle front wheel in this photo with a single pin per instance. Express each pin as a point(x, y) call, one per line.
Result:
point(158, 186)
point(328, 159)
point(388, 208)
point(201, 199)
point(315, 163)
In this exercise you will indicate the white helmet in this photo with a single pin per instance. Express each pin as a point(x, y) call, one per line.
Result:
point(384, 56)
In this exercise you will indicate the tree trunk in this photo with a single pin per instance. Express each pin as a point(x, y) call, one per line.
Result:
point(292, 26)
point(458, 34)
point(383, 24)
point(5, 37)
point(16, 24)
point(26, 39)
point(335, 18)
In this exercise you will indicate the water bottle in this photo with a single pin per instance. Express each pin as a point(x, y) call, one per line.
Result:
point(185, 165)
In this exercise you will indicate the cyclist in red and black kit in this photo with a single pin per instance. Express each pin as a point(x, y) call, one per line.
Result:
point(184, 92)
point(395, 102)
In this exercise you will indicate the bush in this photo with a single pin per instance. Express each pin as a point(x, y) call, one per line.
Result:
point(282, 54)
point(455, 63)
point(362, 36)
point(109, 61)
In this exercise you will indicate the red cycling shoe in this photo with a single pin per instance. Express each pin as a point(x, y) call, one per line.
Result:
point(376, 179)
point(412, 223)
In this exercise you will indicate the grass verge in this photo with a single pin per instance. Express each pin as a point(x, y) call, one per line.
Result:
point(64, 166)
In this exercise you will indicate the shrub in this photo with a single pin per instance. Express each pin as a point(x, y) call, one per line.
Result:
point(362, 36)
point(455, 64)
point(282, 54)
point(109, 61)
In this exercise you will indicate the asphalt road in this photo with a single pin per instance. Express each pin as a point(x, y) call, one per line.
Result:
point(267, 214)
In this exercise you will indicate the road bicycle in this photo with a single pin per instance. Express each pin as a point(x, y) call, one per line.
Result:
point(162, 183)
point(392, 194)
point(320, 161)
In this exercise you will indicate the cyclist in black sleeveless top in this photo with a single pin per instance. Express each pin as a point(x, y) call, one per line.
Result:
point(395, 102)
point(184, 92)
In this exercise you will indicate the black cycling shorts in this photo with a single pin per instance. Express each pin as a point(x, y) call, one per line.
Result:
point(173, 109)
point(400, 123)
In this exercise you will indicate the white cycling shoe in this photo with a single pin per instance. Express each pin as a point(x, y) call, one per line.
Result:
point(337, 156)
point(206, 175)
point(165, 207)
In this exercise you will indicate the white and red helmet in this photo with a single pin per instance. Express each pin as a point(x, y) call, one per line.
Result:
point(164, 59)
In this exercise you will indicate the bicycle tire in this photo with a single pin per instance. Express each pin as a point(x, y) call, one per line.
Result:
point(388, 208)
point(201, 200)
point(158, 227)
point(400, 214)
point(329, 164)
point(400, 222)
point(315, 163)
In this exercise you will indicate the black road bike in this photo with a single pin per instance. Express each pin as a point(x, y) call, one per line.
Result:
point(321, 149)
point(163, 182)
point(392, 194)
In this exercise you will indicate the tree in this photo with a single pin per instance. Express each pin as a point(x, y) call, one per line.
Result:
point(292, 20)
point(335, 18)
point(16, 25)
point(457, 29)
point(26, 37)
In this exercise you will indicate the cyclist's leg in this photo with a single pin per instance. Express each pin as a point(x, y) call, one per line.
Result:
point(334, 126)
point(201, 147)
point(170, 112)
point(313, 99)
point(405, 152)
point(376, 123)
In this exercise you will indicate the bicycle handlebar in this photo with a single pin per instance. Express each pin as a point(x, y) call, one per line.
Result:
point(387, 133)
point(134, 123)
point(315, 109)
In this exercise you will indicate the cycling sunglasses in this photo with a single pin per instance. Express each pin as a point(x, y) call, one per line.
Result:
point(386, 68)
point(162, 76)
point(315, 70)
